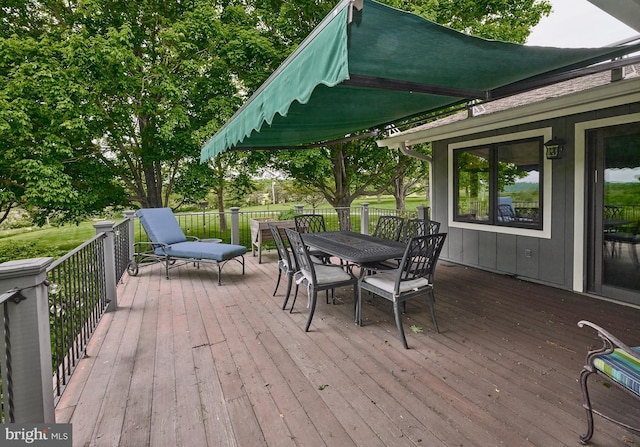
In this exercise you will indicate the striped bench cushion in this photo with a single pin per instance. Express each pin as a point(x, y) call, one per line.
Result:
point(622, 368)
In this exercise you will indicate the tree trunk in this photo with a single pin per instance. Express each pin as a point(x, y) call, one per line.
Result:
point(342, 199)
point(221, 213)
point(399, 193)
point(153, 186)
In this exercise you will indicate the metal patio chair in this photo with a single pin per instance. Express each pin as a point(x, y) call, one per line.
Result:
point(309, 223)
point(316, 277)
point(168, 244)
point(388, 227)
point(413, 279)
point(312, 223)
point(412, 228)
point(286, 263)
point(419, 227)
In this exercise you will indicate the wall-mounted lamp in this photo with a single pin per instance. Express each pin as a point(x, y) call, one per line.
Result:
point(555, 147)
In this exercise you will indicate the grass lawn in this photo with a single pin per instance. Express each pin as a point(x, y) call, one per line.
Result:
point(43, 241)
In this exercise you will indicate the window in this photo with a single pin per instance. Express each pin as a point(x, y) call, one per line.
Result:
point(500, 184)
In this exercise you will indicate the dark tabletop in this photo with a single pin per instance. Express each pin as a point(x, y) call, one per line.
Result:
point(355, 247)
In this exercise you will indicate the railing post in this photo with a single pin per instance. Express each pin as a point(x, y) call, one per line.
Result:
point(109, 263)
point(364, 219)
point(235, 225)
point(130, 216)
point(298, 208)
point(423, 212)
point(29, 339)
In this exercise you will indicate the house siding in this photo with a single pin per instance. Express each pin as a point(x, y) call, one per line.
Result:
point(539, 259)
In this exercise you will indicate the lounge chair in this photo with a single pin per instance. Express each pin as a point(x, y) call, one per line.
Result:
point(168, 244)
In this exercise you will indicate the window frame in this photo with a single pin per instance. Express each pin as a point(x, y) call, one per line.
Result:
point(543, 231)
point(493, 181)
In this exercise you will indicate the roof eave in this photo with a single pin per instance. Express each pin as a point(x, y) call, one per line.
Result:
point(604, 96)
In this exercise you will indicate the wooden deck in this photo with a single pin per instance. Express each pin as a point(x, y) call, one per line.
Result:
point(184, 362)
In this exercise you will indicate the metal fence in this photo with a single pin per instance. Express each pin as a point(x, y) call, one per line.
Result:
point(122, 242)
point(77, 300)
point(629, 213)
point(207, 225)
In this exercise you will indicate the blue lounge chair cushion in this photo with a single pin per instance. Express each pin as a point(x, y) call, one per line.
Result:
point(161, 225)
point(203, 250)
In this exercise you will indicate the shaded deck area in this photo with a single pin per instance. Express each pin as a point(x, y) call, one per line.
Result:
point(185, 362)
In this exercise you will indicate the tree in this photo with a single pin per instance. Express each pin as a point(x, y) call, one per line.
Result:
point(340, 173)
point(170, 74)
point(46, 147)
point(409, 176)
point(132, 89)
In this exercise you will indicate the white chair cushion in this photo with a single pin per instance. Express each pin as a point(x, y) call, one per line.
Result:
point(387, 281)
point(327, 274)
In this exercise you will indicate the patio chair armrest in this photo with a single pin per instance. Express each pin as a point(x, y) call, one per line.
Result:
point(152, 245)
point(192, 238)
point(610, 342)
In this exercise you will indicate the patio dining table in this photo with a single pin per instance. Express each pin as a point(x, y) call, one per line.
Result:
point(355, 248)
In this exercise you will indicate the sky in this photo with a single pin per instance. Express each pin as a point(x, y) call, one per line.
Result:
point(578, 23)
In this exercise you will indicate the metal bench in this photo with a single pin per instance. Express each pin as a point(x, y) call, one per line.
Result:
point(615, 363)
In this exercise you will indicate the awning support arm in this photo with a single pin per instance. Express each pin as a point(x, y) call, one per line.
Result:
point(415, 87)
point(372, 133)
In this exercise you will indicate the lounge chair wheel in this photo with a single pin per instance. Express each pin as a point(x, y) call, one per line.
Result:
point(132, 268)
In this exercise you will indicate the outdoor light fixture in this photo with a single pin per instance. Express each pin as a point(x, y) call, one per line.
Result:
point(554, 146)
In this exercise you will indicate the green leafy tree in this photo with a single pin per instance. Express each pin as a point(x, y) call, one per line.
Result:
point(46, 146)
point(409, 176)
point(169, 74)
point(340, 173)
point(126, 90)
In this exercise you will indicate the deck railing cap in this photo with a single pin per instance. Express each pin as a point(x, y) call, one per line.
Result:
point(24, 267)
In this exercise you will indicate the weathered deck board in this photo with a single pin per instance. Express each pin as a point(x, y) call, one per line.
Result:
point(185, 362)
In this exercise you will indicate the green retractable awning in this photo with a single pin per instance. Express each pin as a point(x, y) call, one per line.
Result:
point(360, 69)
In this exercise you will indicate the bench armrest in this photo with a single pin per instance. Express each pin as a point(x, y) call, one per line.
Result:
point(610, 342)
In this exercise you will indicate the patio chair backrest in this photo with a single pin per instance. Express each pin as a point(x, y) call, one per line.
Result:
point(389, 227)
point(506, 213)
point(161, 225)
point(420, 258)
point(309, 223)
point(301, 255)
point(283, 251)
point(419, 227)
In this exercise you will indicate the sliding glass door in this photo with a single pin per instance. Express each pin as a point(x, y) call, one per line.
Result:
point(614, 210)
